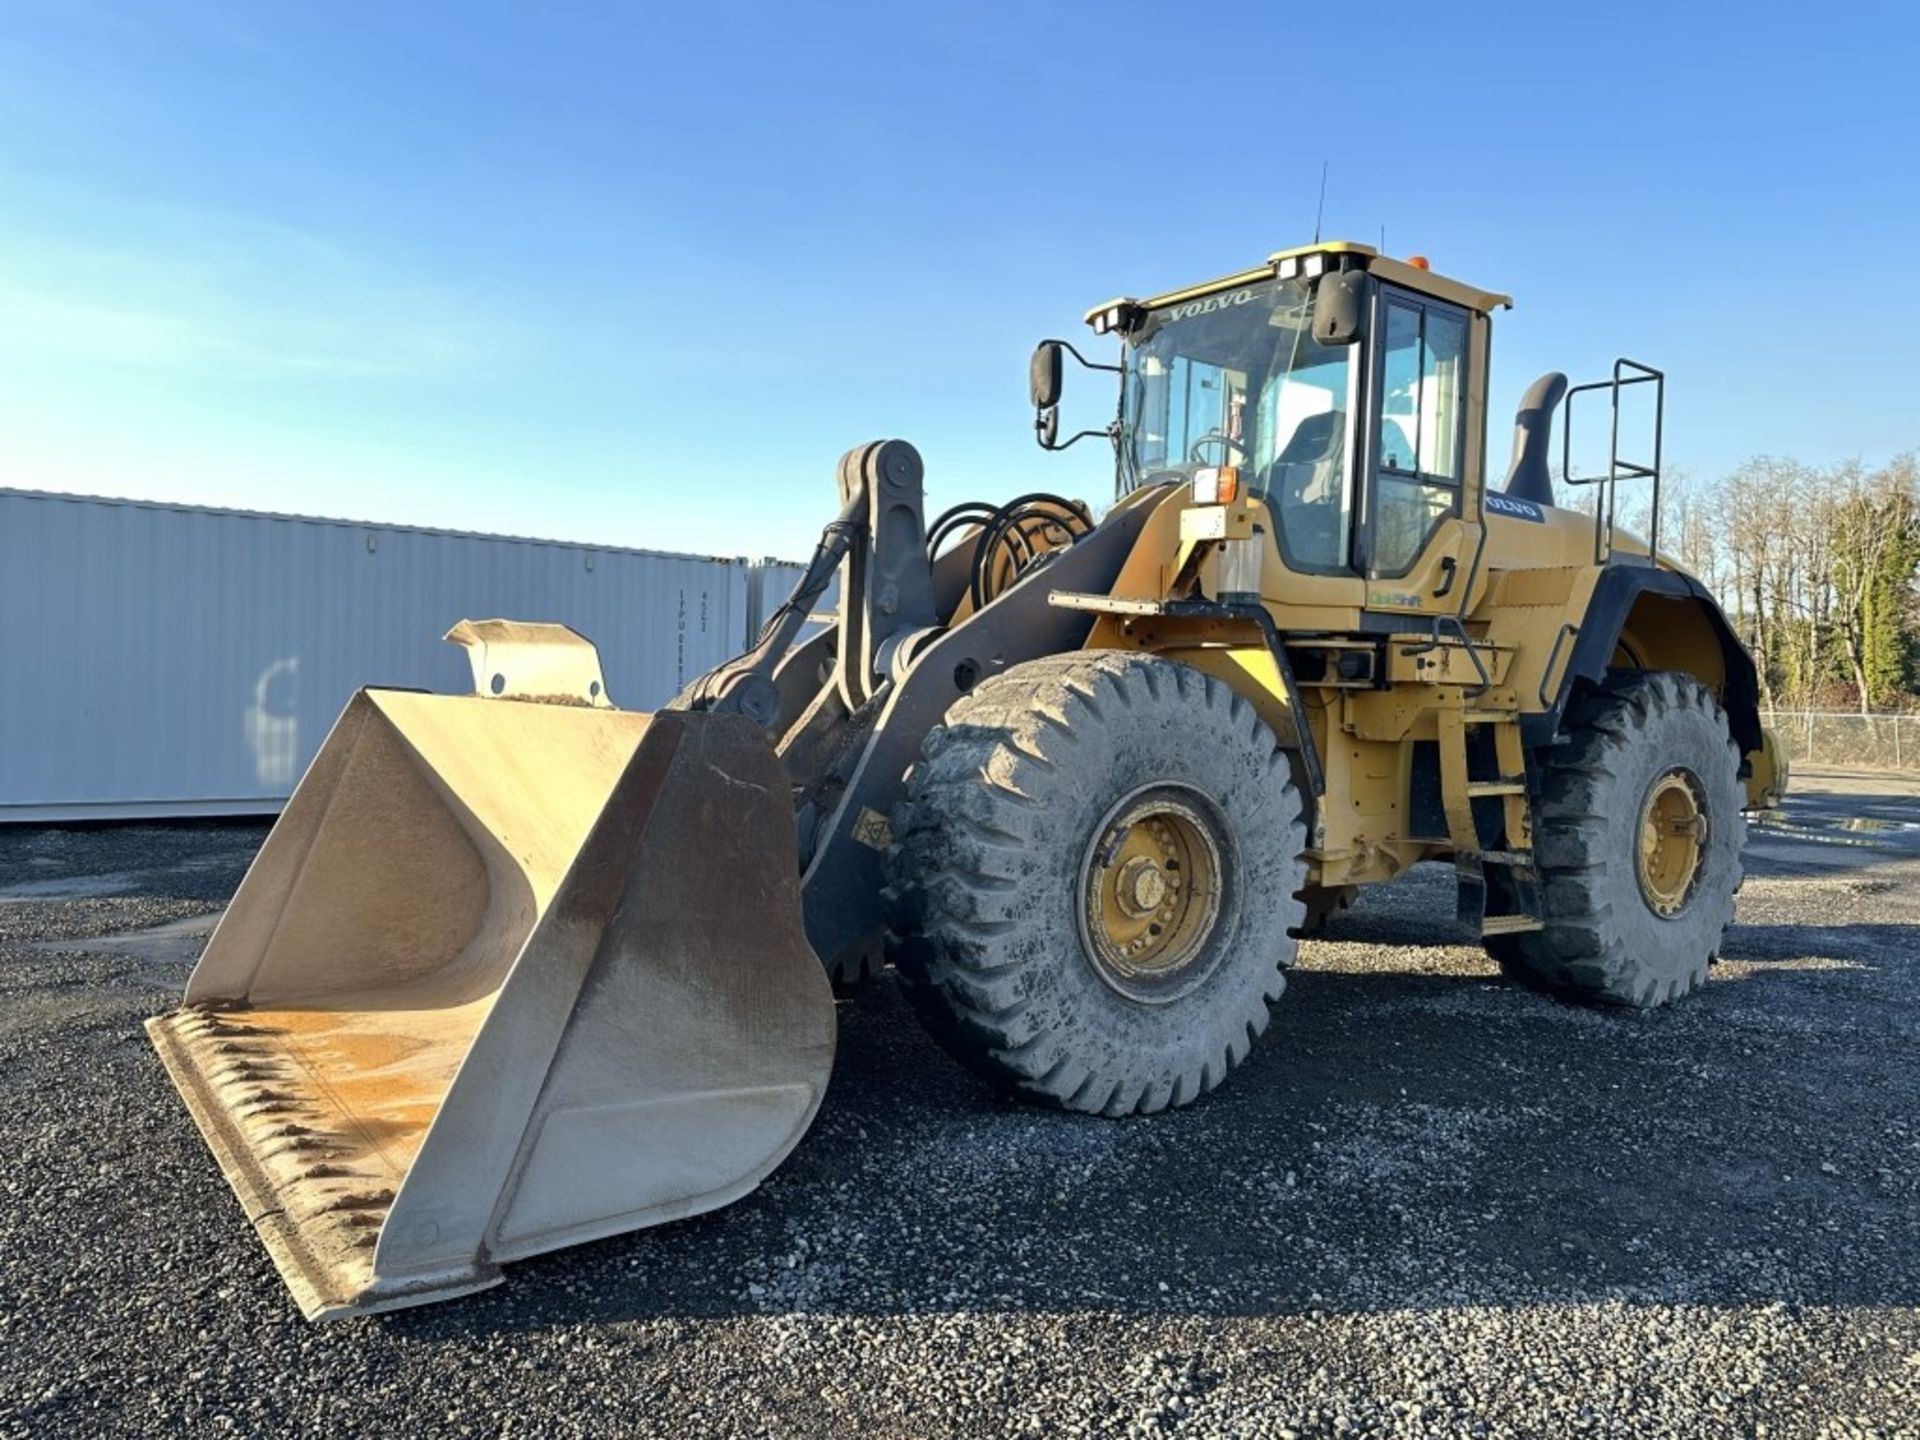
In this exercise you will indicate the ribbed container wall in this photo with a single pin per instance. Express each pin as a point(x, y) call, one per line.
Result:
point(160, 660)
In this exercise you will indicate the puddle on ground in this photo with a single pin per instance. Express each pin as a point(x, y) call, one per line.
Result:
point(1865, 831)
point(176, 942)
point(72, 887)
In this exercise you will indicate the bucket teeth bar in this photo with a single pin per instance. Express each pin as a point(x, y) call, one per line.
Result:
point(318, 1205)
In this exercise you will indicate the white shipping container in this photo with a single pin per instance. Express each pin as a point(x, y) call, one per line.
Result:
point(162, 660)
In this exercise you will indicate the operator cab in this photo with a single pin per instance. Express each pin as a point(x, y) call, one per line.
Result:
point(1346, 390)
point(1238, 378)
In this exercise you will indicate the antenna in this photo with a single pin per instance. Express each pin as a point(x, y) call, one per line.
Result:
point(1383, 237)
point(1320, 210)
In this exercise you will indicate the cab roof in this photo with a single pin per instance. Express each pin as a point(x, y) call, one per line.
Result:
point(1330, 253)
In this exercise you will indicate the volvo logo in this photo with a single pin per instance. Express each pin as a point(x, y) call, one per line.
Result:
point(1519, 509)
point(1207, 304)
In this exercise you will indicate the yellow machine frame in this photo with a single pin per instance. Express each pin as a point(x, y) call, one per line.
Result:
point(1497, 657)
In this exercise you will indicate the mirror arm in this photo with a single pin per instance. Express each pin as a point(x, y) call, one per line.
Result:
point(1046, 418)
point(1112, 432)
point(1089, 364)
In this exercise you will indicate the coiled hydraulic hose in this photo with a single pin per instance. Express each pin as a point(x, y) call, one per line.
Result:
point(1005, 542)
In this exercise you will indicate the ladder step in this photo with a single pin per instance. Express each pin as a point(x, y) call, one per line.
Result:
point(1509, 925)
point(1489, 717)
point(1496, 787)
point(1506, 857)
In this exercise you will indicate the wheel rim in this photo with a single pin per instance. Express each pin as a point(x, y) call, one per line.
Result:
point(1673, 841)
point(1152, 893)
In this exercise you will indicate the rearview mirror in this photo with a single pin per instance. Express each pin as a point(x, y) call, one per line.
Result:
point(1339, 307)
point(1043, 383)
point(1043, 375)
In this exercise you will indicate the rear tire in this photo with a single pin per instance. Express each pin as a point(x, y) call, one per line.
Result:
point(1634, 908)
point(1095, 876)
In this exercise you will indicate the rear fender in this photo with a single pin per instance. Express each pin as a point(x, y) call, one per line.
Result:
point(1643, 618)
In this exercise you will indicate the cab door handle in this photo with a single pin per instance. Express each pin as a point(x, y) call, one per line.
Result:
point(1450, 567)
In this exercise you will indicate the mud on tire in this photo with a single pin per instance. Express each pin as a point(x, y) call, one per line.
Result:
point(990, 874)
point(1605, 940)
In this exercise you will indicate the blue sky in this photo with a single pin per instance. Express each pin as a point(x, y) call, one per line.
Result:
point(640, 273)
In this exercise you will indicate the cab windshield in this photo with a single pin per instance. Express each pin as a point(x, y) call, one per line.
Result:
point(1236, 378)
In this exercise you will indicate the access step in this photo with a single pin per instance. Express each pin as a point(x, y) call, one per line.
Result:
point(1497, 787)
point(1509, 925)
point(1506, 857)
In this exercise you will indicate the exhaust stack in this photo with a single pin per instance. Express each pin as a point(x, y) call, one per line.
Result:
point(1528, 477)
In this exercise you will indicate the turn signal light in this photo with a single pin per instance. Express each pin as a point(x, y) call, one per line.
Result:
point(1216, 484)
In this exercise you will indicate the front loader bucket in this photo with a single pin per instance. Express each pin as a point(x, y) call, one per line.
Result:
point(506, 976)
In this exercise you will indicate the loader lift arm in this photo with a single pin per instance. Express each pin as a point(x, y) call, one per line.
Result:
point(746, 685)
point(848, 737)
point(877, 544)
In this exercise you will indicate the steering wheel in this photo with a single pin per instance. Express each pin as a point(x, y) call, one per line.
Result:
point(1215, 437)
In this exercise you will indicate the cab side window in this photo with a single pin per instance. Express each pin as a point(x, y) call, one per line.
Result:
point(1422, 368)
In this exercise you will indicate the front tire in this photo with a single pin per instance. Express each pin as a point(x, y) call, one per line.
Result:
point(1095, 869)
point(1637, 839)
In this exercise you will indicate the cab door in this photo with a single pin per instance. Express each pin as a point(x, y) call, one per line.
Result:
point(1420, 525)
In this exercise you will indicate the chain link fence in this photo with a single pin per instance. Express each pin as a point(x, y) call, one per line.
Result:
point(1848, 739)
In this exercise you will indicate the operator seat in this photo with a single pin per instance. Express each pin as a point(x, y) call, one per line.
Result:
point(1305, 486)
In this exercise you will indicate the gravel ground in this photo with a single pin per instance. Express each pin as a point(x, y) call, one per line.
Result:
point(1432, 1204)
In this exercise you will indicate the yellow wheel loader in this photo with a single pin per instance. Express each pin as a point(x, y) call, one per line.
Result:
point(520, 969)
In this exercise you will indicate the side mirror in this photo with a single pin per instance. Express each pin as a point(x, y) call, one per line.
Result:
point(1043, 375)
point(1339, 307)
point(1043, 384)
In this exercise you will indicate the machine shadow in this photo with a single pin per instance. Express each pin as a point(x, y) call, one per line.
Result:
point(1413, 1132)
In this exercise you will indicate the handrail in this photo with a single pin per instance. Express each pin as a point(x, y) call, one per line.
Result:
point(1435, 641)
point(1604, 510)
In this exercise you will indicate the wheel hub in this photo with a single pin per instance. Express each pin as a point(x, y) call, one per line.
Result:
point(1673, 841)
point(1141, 887)
point(1151, 893)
